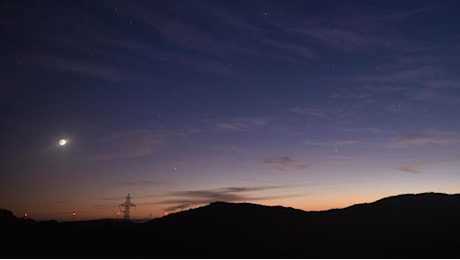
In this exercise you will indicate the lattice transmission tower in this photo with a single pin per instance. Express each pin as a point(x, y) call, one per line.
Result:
point(125, 207)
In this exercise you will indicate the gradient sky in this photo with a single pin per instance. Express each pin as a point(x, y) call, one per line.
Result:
point(305, 104)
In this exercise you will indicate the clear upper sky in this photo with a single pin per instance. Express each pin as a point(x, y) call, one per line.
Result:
point(306, 104)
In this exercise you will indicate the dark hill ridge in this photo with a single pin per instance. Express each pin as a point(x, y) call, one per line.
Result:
point(405, 226)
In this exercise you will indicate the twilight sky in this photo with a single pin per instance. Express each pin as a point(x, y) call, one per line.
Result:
point(305, 104)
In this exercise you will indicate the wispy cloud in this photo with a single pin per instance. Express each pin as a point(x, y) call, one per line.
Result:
point(81, 68)
point(351, 96)
point(343, 158)
point(310, 111)
point(384, 89)
point(233, 149)
point(410, 169)
point(425, 139)
point(293, 49)
point(136, 183)
point(342, 39)
point(339, 113)
point(418, 166)
point(397, 17)
point(129, 144)
point(101, 47)
point(133, 143)
point(216, 40)
point(372, 130)
point(333, 144)
point(413, 79)
point(438, 95)
point(280, 163)
point(414, 73)
point(285, 163)
point(242, 124)
point(133, 196)
point(186, 199)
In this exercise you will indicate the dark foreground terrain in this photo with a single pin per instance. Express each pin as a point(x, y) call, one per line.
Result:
point(406, 226)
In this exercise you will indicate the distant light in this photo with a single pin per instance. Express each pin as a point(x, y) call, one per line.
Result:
point(26, 215)
point(62, 142)
point(74, 214)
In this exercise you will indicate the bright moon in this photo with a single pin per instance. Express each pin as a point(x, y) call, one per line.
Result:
point(62, 142)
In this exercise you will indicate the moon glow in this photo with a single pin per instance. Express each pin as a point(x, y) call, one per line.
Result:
point(62, 142)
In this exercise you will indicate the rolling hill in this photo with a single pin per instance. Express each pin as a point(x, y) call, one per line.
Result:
point(422, 225)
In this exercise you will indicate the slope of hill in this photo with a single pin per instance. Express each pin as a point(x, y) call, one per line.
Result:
point(405, 226)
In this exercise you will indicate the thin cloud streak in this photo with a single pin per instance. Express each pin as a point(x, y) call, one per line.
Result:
point(192, 36)
point(80, 68)
point(342, 39)
point(409, 169)
point(425, 139)
point(137, 183)
point(331, 143)
point(187, 199)
point(372, 130)
point(284, 163)
point(129, 144)
point(134, 143)
point(397, 17)
point(415, 167)
point(242, 124)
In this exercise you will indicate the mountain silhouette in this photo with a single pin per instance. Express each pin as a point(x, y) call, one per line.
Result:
point(424, 225)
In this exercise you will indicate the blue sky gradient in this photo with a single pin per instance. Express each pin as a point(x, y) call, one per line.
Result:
point(307, 104)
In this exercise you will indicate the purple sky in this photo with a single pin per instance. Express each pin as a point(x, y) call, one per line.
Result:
point(306, 104)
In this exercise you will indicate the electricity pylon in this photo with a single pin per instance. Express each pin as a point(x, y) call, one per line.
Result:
point(126, 206)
